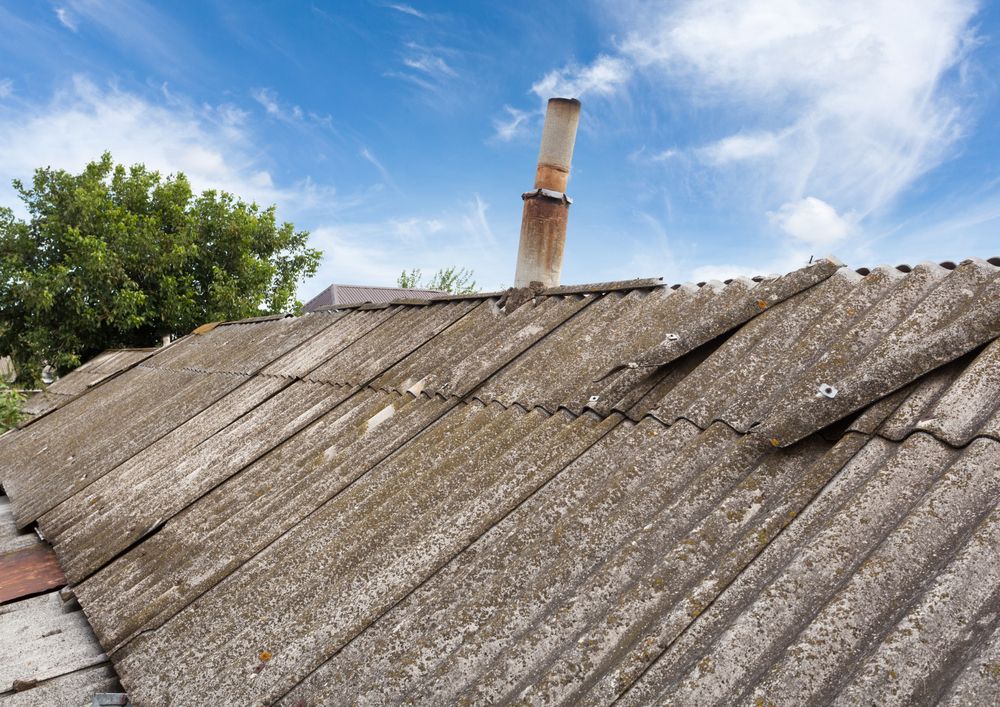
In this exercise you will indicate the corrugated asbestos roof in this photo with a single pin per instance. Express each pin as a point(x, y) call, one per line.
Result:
point(346, 295)
point(768, 491)
point(77, 381)
point(48, 652)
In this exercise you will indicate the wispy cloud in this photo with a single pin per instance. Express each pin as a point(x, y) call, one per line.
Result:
point(66, 19)
point(6, 87)
point(847, 103)
point(643, 155)
point(212, 145)
point(289, 113)
point(742, 147)
point(375, 252)
point(602, 77)
point(369, 157)
point(267, 98)
point(139, 26)
point(860, 105)
point(513, 124)
point(430, 69)
point(477, 224)
point(430, 64)
point(408, 10)
point(415, 228)
point(664, 155)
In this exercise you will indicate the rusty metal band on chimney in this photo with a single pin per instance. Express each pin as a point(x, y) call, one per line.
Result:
point(546, 207)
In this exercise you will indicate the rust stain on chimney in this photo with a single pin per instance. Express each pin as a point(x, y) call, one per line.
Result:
point(546, 207)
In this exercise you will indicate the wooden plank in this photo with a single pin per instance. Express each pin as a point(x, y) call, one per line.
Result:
point(42, 638)
point(76, 689)
point(29, 571)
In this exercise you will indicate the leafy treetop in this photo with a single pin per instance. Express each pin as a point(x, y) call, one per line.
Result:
point(116, 257)
point(457, 281)
point(10, 407)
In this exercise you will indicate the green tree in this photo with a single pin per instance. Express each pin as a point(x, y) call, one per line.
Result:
point(117, 257)
point(457, 281)
point(409, 280)
point(10, 407)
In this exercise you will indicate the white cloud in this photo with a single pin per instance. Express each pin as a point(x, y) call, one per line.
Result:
point(664, 155)
point(212, 145)
point(375, 252)
point(416, 229)
point(602, 77)
point(476, 224)
point(430, 64)
point(6, 87)
point(513, 125)
point(847, 99)
point(66, 19)
point(812, 221)
point(408, 10)
point(367, 155)
point(721, 273)
point(740, 147)
point(643, 155)
point(269, 99)
point(432, 70)
point(291, 115)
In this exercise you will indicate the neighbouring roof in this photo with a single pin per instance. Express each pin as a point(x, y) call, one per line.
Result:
point(343, 295)
point(77, 381)
point(778, 490)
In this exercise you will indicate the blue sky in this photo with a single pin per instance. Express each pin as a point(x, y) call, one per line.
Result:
point(718, 138)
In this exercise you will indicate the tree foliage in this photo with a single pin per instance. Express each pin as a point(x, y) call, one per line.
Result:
point(457, 281)
point(117, 257)
point(10, 407)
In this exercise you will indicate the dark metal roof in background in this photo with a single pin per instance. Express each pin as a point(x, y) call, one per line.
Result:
point(346, 295)
point(778, 490)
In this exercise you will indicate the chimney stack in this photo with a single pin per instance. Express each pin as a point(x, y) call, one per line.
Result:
point(546, 207)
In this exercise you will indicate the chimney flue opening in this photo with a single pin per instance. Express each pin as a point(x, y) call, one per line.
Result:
point(546, 208)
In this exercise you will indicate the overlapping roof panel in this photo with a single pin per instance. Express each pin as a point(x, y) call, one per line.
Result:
point(771, 490)
point(77, 381)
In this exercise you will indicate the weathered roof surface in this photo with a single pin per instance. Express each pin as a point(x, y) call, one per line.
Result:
point(48, 652)
point(775, 490)
point(344, 295)
point(77, 381)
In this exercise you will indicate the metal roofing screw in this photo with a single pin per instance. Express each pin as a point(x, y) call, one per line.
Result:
point(673, 337)
point(594, 398)
point(827, 390)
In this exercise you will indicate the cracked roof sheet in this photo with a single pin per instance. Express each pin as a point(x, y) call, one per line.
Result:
point(768, 491)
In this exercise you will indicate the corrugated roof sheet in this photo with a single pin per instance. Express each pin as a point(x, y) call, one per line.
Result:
point(46, 643)
point(77, 381)
point(770, 490)
point(347, 295)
